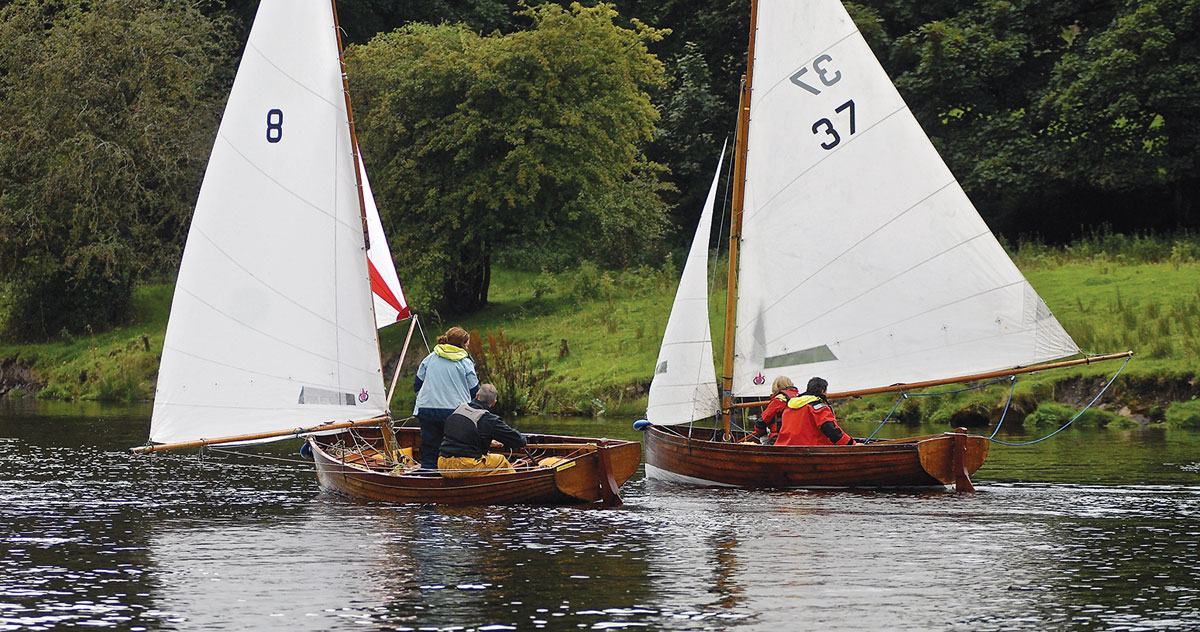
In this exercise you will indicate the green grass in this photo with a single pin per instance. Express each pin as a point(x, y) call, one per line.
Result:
point(1184, 414)
point(117, 365)
point(1153, 310)
point(612, 323)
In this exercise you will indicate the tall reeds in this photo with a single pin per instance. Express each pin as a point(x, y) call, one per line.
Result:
point(522, 381)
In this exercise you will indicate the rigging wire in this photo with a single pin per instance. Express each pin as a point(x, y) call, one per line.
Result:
point(256, 456)
point(905, 395)
point(1007, 406)
point(424, 338)
point(1073, 419)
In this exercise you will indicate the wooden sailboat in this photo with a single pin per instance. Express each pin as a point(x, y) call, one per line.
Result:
point(854, 256)
point(286, 278)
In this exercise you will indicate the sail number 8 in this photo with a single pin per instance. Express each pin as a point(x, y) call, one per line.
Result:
point(274, 125)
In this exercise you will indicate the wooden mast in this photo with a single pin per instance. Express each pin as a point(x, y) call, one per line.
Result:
point(362, 210)
point(362, 203)
point(735, 224)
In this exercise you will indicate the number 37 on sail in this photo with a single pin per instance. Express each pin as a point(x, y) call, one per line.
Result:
point(885, 273)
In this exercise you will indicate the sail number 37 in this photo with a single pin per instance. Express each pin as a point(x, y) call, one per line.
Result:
point(826, 126)
point(827, 76)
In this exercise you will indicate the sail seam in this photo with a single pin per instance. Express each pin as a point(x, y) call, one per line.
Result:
point(970, 341)
point(265, 285)
point(943, 306)
point(310, 408)
point(886, 282)
point(266, 375)
point(263, 56)
point(294, 194)
point(855, 245)
point(827, 156)
point(824, 49)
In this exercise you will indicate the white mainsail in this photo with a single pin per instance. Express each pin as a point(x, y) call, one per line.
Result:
point(271, 324)
point(862, 259)
point(684, 387)
point(390, 305)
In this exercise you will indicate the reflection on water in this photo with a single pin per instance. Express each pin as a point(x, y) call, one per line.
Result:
point(92, 536)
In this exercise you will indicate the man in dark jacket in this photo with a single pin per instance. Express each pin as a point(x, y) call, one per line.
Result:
point(469, 432)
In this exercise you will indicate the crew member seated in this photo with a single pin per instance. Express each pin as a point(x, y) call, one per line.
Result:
point(469, 431)
point(766, 428)
point(808, 420)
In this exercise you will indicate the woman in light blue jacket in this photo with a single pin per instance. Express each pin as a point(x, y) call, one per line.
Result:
point(445, 379)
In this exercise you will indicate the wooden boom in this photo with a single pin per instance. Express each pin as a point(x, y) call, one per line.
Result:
point(955, 380)
point(143, 449)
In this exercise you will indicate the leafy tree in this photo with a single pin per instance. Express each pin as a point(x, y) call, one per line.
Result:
point(482, 142)
point(687, 136)
point(997, 56)
point(1062, 114)
point(705, 51)
point(1125, 106)
point(107, 110)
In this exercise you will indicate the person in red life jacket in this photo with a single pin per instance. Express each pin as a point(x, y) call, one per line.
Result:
point(808, 419)
point(766, 427)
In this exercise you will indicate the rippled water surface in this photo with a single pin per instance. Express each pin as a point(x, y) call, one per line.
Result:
point(1091, 530)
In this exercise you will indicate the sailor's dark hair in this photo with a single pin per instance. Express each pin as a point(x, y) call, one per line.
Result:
point(817, 386)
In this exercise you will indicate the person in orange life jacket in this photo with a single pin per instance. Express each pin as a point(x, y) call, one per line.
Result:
point(766, 427)
point(808, 419)
point(469, 431)
point(445, 379)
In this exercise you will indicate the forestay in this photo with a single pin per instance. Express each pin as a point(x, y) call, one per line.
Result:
point(684, 387)
point(862, 259)
point(271, 324)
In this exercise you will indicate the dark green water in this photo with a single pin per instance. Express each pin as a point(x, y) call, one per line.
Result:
point(1093, 530)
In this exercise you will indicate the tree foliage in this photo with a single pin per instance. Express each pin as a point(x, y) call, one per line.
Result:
point(1058, 116)
point(1124, 107)
point(550, 134)
point(106, 117)
point(484, 142)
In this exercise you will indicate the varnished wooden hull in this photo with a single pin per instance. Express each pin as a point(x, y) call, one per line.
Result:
point(916, 462)
point(580, 478)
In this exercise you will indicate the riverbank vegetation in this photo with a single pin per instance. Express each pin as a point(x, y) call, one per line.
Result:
point(536, 162)
point(584, 341)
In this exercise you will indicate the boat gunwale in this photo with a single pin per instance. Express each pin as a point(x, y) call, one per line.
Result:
point(791, 467)
point(543, 485)
point(890, 445)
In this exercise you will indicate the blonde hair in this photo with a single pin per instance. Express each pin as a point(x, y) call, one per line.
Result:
point(781, 383)
point(456, 336)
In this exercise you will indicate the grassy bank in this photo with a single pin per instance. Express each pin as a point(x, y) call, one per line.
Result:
point(585, 341)
point(1152, 309)
point(117, 365)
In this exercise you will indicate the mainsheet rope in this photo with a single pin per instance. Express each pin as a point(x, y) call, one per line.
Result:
point(1068, 424)
point(1007, 405)
point(905, 395)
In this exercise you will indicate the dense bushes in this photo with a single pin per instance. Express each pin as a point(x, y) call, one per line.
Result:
point(106, 116)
